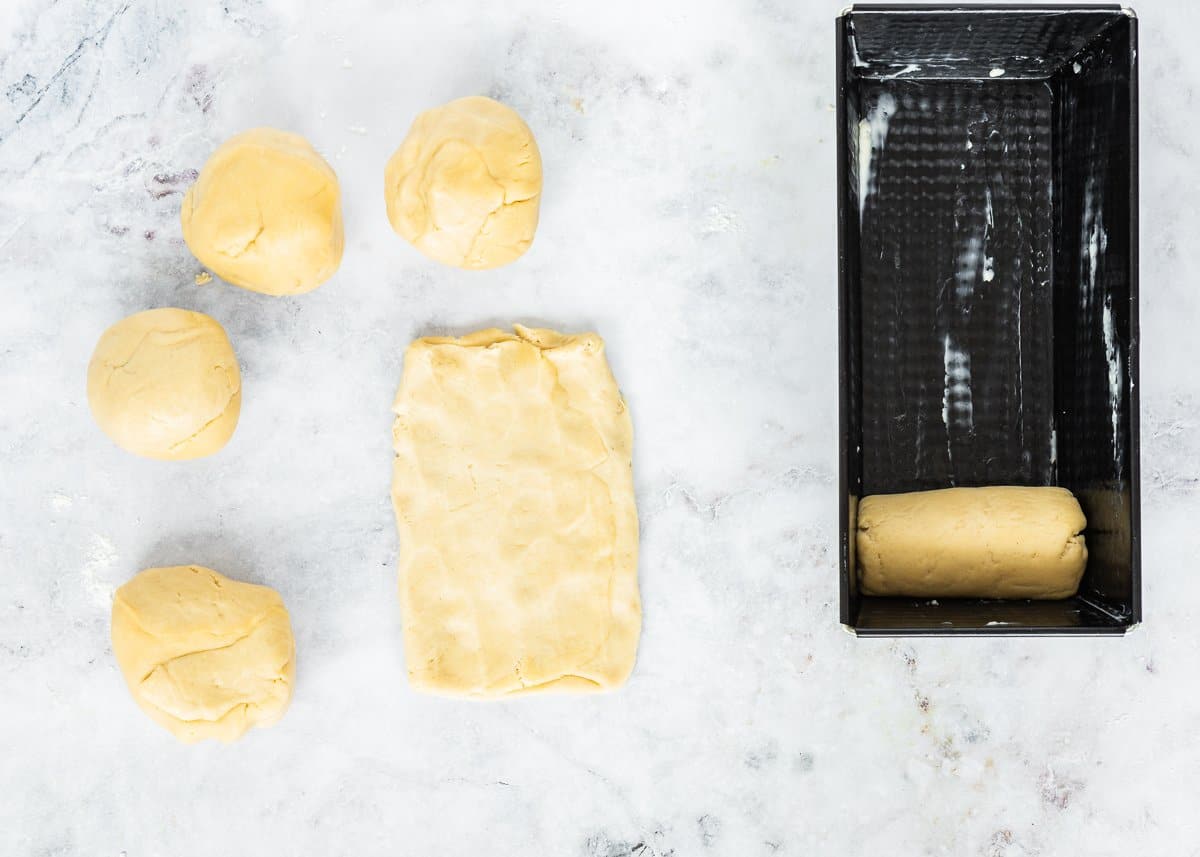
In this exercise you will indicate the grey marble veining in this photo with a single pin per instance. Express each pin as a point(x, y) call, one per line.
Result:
point(688, 217)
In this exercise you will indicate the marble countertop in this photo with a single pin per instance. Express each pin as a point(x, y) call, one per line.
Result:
point(688, 217)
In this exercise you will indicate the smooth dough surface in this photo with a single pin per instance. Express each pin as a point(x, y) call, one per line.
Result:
point(513, 491)
point(465, 185)
point(995, 542)
point(203, 655)
point(164, 383)
point(265, 214)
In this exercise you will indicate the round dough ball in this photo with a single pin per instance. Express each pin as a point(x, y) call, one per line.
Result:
point(465, 185)
point(203, 655)
point(164, 383)
point(265, 214)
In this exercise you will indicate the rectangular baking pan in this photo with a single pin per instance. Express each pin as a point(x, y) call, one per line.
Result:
point(987, 262)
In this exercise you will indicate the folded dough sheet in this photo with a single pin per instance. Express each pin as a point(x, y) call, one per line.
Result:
point(513, 492)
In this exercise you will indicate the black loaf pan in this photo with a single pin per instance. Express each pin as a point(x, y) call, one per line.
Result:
point(987, 204)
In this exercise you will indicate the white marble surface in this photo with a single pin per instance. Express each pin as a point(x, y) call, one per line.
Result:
point(688, 217)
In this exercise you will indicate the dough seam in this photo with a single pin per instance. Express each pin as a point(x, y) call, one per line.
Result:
point(258, 623)
point(191, 437)
point(142, 341)
point(262, 227)
point(550, 681)
point(166, 665)
point(198, 721)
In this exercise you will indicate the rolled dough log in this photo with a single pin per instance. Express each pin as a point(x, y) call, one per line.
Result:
point(995, 542)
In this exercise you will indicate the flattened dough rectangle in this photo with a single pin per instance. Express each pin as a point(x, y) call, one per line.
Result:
point(513, 492)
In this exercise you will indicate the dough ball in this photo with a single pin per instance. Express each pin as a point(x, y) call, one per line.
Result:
point(203, 655)
point(465, 185)
point(265, 214)
point(995, 542)
point(164, 383)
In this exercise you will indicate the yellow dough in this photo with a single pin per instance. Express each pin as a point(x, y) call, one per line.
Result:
point(164, 383)
point(265, 214)
point(464, 186)
point(513, 491)
point(997, 542)
point(203, 655)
